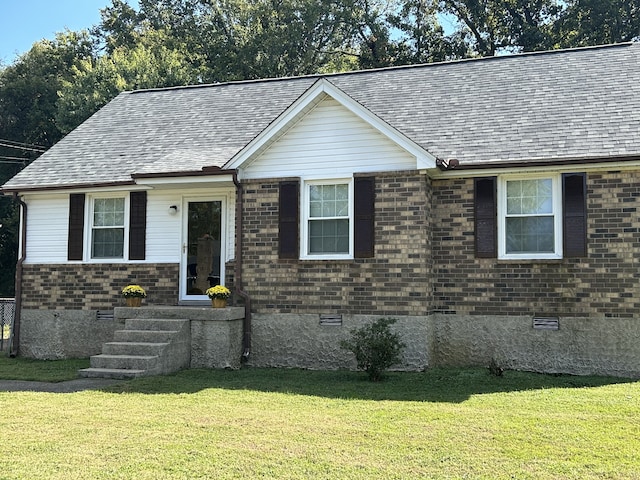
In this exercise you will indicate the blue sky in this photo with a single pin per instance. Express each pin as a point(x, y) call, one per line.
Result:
point(24, 22)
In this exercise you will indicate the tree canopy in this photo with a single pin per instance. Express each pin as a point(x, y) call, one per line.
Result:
point(58, 83)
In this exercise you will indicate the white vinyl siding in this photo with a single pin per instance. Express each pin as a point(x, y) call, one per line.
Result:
point(329, 141)
point(164, 234)
point(47, 228)
point(48, 225)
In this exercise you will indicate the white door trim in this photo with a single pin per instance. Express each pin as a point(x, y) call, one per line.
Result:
point(185, 299)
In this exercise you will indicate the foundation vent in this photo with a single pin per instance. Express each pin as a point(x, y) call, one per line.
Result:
point(331, 319)
point(546, 323)
point(104, 315)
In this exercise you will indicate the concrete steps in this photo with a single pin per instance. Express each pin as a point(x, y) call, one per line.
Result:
point(134, 348)
point(119, 373)
point(144, 347)
point(142, 336)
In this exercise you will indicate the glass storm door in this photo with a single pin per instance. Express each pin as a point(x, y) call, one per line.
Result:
point(202, 249)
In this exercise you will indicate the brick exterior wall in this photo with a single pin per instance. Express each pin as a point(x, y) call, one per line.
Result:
point(604, 284)
point(424, 262)
point(395, 282)
point(96, 286)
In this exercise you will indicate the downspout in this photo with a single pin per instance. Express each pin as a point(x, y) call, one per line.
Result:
point(237, 275)
point(15, 331)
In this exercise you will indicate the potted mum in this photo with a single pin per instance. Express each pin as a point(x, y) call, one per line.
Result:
point(218, 295)
point(133, 295)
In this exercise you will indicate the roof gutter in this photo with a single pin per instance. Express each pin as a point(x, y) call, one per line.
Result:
point(52, 188)
point(445, 165)
point(203, 172)
point(15, 331)
point(237, 275)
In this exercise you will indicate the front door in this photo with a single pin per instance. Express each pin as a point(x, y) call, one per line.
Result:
point(202, 249)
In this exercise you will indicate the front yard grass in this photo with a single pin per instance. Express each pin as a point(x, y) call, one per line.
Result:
point(294, 424)
point(40, 370)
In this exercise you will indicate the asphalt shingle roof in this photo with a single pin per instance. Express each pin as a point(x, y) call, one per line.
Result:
point(560, 105)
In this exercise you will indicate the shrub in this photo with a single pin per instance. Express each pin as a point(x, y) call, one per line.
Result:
point(375, 346)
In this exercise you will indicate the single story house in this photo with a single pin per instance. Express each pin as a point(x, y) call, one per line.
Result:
point(490, 205)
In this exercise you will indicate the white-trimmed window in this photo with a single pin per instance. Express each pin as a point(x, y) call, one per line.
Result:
point(107, 226)
point(530, 217)
point(327, 224)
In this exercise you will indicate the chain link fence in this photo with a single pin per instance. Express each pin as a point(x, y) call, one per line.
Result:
point(7, 314)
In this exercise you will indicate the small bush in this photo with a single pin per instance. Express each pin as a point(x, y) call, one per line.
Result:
point(495, 368)
point(376, 348)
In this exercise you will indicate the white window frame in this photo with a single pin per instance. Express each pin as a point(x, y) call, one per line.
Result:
point(305, 214)
point(88, 234)
point(556, 187)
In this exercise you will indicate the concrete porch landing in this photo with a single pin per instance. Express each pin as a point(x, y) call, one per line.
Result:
point(163, 339)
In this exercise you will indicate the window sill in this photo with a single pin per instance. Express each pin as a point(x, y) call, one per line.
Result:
point(530, 261)
point(319, 260)
point(326, 257)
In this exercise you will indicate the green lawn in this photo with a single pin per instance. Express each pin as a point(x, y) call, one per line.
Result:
point(292, 424)
point(40, 370)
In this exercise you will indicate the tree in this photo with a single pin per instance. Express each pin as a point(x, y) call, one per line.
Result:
point(493, 26)
point(422, 37)
point(234, 39)
point(8, 246)
point(598, 22)
point(29, 88)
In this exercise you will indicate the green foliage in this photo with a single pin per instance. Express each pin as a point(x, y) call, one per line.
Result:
point(423, 39)
point(598, 22)
point(493, 26)
point(495, 368)
point(9, 226)
point(29, 89)
point(375, 347)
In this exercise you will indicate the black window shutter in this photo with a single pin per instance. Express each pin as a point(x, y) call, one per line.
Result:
point(486, 217)
point(288, 219)
point(364, 192)
point(137, 225)
point(574, 214)
point(75, 243)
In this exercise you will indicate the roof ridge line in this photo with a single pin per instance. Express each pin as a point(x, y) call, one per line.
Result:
point(380, 69)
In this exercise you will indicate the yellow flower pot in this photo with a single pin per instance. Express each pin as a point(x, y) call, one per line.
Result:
point(133, 301)
point(219, 302)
